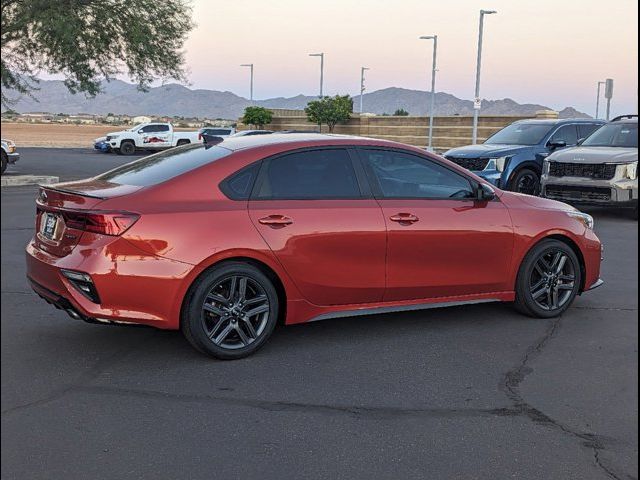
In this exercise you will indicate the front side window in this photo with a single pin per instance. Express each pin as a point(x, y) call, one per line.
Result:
point(587, 129)
point(520, 134)
point(567, 134)
point(403, 175)
point(624, 135)
point(309, 175)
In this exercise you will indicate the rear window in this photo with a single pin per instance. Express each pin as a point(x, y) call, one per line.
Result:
point(216, 131)
point(164, 166)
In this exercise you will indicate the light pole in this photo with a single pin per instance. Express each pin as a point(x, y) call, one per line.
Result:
point(433, 86)
point(321, 55)
point(598, 101)
point(250, 65)
point(477, 101)
point(362, 70)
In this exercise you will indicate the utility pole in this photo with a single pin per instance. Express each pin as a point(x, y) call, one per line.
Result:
point(433, 87)
point(477, 100)
point(362, 70)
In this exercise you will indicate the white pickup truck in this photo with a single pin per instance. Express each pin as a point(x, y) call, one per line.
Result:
point(148, 136)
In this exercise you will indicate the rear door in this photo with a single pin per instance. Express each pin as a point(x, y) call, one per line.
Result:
point(156, 135)
point(441, 242)
point(314, 210)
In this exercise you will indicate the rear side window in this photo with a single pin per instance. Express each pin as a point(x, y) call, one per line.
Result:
point(309, 175)
point(217, 131)
point(238, 186)
point(164, 166)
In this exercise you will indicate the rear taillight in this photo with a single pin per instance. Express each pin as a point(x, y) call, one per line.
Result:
point(104, 223)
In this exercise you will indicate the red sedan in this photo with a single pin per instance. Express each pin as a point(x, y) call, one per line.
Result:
point(224, 241)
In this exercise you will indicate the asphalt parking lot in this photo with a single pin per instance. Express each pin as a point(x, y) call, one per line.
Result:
point(465, 393)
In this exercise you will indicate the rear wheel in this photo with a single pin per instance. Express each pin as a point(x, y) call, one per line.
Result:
point(5, 161)
point(230, 311)
point(127, 147)
point(549, 280)
point(525, 181)
point(182, 142)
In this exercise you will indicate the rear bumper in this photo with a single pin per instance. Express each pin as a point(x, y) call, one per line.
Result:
point(134, 287)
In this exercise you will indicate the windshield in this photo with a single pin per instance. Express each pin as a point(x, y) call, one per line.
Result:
point(520, 134)
point(164, 166)
point(624, 135)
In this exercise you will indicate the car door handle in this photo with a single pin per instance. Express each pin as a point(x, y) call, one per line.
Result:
point(404, 218)
point(276, 221)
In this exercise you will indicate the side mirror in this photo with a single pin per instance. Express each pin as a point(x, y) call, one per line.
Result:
point(557, 144)
point(211, 139)
point(485, 193)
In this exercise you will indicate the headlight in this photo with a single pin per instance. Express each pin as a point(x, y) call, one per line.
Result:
point(587, 220)
point(498, 164)
point(632, 171)
point(546, 167)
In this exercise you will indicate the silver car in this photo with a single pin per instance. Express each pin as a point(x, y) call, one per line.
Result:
point(601, 170)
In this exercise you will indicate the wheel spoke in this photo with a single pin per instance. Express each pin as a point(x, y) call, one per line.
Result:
point(539, 269)
point(554, 298)
point(567, 278)
point(213, 309)
point(560, 265)
point(216, 327)
point(257, 310)
point(537, 285)
point(255, 300)
point(233, 284)
point(223, 335)
point(214, 297)
point(539, 293)
point(566, 286)
point(550, 299)
point(544, 265)
point(242, 290)
point(252, 331)
point(243, 336)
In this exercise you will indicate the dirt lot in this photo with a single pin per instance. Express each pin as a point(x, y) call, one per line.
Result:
point(57, 134)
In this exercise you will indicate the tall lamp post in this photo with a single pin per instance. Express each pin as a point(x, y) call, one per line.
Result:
point(362, 70)
point(598, 101)
point(477, 101)
point(433, 86)
point(250, 65)
point(321, 55)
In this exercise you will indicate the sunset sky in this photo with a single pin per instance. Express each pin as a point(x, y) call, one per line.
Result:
point(550, 52)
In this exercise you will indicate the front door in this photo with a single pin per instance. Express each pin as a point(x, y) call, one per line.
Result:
point(310, 208)
point(441, 242)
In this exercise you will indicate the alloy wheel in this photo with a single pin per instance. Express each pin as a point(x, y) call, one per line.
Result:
point(235, 312)
point(552, 280)
point(528, 184)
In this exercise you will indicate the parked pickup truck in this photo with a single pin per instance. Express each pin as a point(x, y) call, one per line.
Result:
point(148, 136)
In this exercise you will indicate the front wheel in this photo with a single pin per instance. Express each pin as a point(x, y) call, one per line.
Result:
point(230, 311)
point(5, 161)
point(549, 280)
point(127, 148)
point(525, 181)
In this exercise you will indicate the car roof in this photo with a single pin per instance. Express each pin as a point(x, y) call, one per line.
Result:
point(559, 121)
point(299, 139)
point(625, 119)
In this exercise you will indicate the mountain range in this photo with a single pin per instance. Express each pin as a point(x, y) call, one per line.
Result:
point(120, 97)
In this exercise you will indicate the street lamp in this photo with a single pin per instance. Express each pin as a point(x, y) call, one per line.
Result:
point(477, 102)
point(433, 86)
point(321, 55)
point(250, 65)
point(362, 70)
point(598, 101)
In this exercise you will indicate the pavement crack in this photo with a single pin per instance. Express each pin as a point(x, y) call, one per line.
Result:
point(511, 385)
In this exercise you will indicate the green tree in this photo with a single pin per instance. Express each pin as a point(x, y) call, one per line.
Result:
point(400, 112)
point(88, 41)
point(330, 111)
point(258, 116)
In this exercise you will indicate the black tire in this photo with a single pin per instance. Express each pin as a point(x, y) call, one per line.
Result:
point(127, 147)
point(526, 181)
point(202, 326)
point(182, 142)
point(5, 161)
point(531, 280)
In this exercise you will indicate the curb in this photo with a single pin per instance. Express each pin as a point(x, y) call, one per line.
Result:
point(21, 180)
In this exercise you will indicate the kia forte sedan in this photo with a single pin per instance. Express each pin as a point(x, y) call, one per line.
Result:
point(224, 241)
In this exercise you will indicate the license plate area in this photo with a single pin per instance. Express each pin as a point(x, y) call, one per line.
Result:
point(49, 225)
